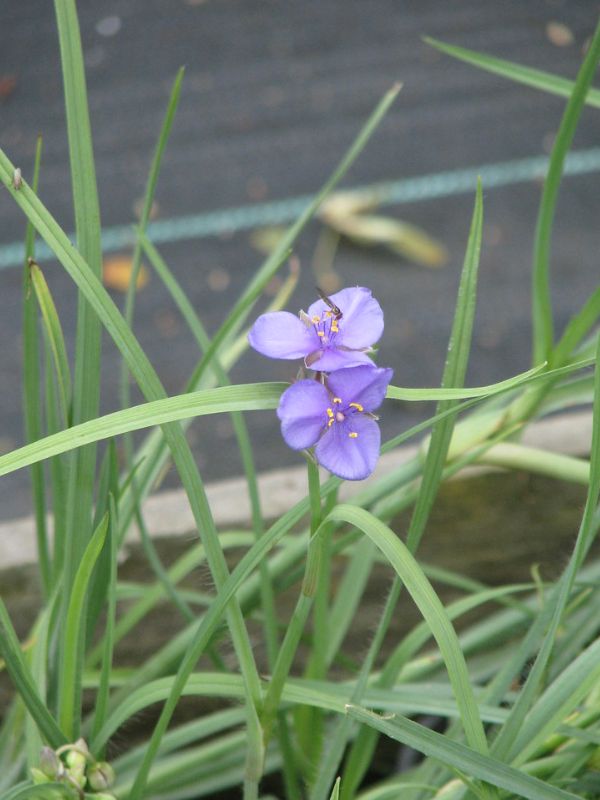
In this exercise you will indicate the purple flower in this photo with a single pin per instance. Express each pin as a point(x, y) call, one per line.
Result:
point(327, 340)
point(336, 418)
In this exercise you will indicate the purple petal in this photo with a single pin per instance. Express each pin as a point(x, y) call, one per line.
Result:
point(332, 359)
point(280, 334)
point(351, 458)
point(361, 324)
point(303, 413)
point(366, 385)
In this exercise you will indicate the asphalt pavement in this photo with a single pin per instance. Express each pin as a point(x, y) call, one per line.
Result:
point(273, 94)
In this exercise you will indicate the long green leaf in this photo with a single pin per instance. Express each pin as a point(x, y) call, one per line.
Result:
point(32, 407)
point(543, 324)
point(247, 397)
point(577, 328)
point(454, 374)
point(460, 757)
point(44, 791)
point(101, 704)
point(505, 745)
point(55, 338)
point(86, 390)
point(461, 393)
point(559, 699)
point(244, 397)
point(411, 575)
point(70, 688)
point(536, 78)
point(86, 383)
point(20, 674)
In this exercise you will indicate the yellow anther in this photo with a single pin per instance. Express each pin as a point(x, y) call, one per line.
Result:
point(328, 314)
point(320, 333)
point(334, 327)
point(357, 406)
point(337, 399)
point(316, 319)
point(330, 423)
point(353, 435)
point(330, 413)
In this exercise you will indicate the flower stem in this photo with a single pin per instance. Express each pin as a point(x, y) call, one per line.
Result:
point(299, 617)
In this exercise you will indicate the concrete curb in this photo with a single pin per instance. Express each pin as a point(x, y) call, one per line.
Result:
point(167, 513)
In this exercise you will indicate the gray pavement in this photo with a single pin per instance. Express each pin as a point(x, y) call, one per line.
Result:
point(273, 94)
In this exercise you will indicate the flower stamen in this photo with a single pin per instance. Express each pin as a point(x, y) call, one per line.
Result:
point(353, 435)
point(357, 406)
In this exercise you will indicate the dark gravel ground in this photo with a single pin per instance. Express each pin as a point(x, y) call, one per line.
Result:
point(274, 92)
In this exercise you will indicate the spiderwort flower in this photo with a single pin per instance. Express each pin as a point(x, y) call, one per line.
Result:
point(326, 340)
point(337, 418)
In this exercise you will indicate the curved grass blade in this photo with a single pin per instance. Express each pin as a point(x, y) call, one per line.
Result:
point(161, 144)
point(459, 757)
point(577, 328)
point(43, 791)
point(20, 674)
point(247, 397)
point(243, 397)
point(70, 686)
point(411, 575)
point(153, 453)
point(463, 393)
point(56, 340)
point(559, 699)
point(543, 324)
point(455, 369)
point(504, 745)
point(536, 78)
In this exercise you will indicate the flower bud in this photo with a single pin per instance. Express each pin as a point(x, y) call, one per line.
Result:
point(77, 759)
point(101, 776)
point(38, 776)
point(50, 763)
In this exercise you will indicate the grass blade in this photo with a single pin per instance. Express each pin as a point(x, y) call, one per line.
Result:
point(20, 674)
point(239, 426)
point(54, 334)
point(32, 410)
point(246, 397)
point(101, 703)
point(86, 384)
point(458, 756)
point(543, 325)
point(411, 575)
point(70, 687)
point(505, 744)
point(536, 78)
point(454, 374)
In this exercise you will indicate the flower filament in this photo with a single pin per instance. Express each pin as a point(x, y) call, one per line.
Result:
point(325, 326)
point(341, 414)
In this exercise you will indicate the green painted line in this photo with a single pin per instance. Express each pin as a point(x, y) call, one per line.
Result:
point(398, 192)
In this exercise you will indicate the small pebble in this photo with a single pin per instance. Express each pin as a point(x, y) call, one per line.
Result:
point(559, 34)
point(108, 26)
point(218, 279)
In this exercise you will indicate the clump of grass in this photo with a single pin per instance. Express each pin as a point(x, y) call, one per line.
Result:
point(518, 690)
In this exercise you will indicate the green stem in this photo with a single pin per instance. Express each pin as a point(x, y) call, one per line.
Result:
point(510, 455)
point(299, 617)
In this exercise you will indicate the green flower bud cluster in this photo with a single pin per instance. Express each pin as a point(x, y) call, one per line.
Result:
point(74, 765)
